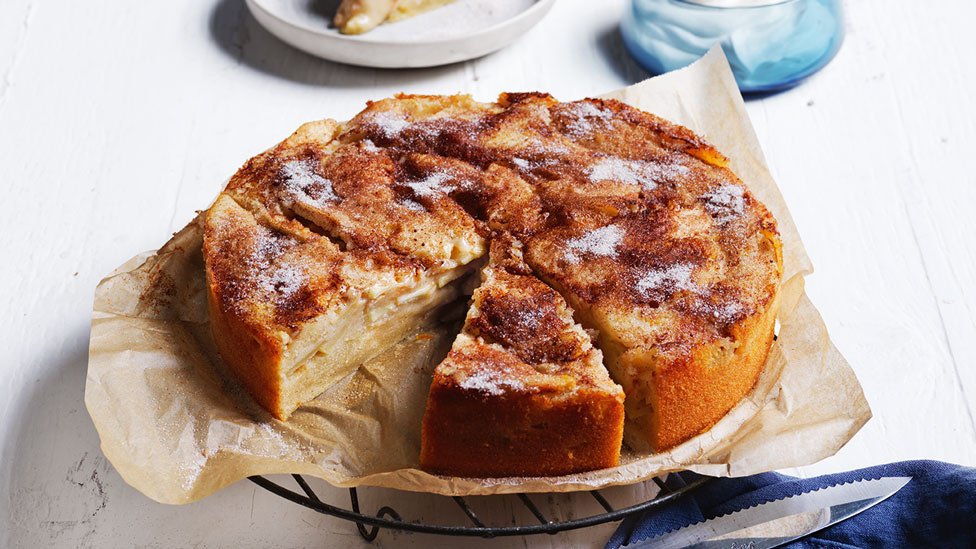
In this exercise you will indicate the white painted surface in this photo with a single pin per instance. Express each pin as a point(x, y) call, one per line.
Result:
point(118, 119)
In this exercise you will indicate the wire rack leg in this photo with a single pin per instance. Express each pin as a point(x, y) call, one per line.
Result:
point(601, 500)
point(370, 534)
point(468, 511)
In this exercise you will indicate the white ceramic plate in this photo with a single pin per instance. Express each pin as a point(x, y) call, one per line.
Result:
point(463, 30)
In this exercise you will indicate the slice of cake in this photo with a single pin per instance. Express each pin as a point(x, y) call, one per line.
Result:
point(320, 255)
point(359, 16)
point(523, 391)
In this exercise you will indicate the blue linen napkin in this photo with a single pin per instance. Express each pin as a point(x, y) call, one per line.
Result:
point(937, 508)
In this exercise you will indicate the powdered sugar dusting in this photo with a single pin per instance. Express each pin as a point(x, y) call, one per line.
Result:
point(586, 109)
point(546, 148)
point(436, 183)
point(412, 205)
point(728, 311)
point(390, 124)
point(530, 318)
point(674, 278)
point(616, 169)
point(635, 172)
point(548, 159)
point(725, 203)
point(599, 242)
point(719, 309)
point(431, 185)
point(286, 280)
point(303, 184)
point(272, 274)
point(481, 380)
point(586, 114)
point(706, 302)
point(269, 246)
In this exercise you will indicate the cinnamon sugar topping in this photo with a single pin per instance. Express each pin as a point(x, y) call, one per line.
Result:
point(303, 184)
point(725, 203)
point(431, 185)
point(390, 124)
point(667, 281)
point(633, 172)
point(588, 116)
point(599, 242)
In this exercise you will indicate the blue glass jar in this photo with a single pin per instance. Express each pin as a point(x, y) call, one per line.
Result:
point(770, 44)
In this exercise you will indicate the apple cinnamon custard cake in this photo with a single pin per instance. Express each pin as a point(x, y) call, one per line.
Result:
point(628, 265)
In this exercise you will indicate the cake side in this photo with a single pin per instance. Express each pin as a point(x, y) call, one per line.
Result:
point(474, 434)
point(692, 395)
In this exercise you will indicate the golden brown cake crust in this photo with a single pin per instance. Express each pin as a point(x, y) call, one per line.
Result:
point(637, 223)
point(519, 434)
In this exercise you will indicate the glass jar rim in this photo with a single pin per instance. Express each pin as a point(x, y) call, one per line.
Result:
point(732, 4)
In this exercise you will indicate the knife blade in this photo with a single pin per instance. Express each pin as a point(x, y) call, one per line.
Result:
point(777, 522)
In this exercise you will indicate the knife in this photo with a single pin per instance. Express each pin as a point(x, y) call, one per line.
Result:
point(774, 523)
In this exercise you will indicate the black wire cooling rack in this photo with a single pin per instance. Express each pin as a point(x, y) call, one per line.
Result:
point(477, 528)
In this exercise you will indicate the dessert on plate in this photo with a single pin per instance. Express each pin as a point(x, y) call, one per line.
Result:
point(627, 261)
point(359, 16)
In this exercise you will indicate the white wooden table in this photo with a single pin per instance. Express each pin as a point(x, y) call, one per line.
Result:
point(119, 119)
